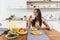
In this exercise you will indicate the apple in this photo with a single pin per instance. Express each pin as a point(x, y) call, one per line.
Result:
point(24, 30)
point(21, 28)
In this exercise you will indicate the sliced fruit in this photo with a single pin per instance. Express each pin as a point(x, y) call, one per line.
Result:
point(36, 32)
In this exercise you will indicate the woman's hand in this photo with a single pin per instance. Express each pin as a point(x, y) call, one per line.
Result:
point(38, 27)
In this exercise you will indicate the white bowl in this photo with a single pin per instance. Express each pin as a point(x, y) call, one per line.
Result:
point(10, 37)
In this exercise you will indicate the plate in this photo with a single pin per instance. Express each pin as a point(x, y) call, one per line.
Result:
point(37, 32)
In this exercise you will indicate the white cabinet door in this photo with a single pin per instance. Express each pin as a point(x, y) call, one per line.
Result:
point(54, 25)
point(16, 3)
point(57, 26)
point(51, 24)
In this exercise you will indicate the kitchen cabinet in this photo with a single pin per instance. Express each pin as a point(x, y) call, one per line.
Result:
point(54, 25)
point(57, 26)
point(50, 23)
point(9, 25)
point(16, 3)
point(5, 24)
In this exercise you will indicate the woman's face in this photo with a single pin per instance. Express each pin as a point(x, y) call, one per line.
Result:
point(35, 13)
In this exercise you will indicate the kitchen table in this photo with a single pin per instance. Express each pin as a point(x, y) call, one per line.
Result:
point(2, 36)
point(24, 37)
point(28, 36)
point(42, 36)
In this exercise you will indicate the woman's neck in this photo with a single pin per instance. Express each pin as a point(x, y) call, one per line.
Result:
point(37, 19)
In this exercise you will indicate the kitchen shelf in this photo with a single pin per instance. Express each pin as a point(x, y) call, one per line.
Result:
point(45, 8)
point(43, 1)
point(31, 2)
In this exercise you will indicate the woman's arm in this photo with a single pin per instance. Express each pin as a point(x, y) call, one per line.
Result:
point(29, 22)
point(45, 23)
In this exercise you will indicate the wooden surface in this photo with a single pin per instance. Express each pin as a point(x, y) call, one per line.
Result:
point(2, 37)
point(52, 34)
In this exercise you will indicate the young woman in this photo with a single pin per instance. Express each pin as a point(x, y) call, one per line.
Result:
point(38, 20)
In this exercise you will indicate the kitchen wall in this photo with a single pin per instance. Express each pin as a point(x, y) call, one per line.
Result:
point(45, 13)
point(9, 7)
point(15, 3)
point(5, 4)
point(3, 10)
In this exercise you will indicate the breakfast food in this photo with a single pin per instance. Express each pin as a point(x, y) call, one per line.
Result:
point(36, 32)
point(10, 32)
point(12, 35)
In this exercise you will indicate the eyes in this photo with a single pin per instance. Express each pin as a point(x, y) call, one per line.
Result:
point(35, 11)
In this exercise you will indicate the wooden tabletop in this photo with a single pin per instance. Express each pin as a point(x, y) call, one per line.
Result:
point(22, 37)
point(53, 35)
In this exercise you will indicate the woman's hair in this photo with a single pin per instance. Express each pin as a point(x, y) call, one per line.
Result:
point(39, 18)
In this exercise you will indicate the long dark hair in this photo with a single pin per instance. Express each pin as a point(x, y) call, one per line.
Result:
point(39, 18)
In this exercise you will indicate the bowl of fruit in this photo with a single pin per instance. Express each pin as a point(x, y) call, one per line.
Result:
point(22, 31)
